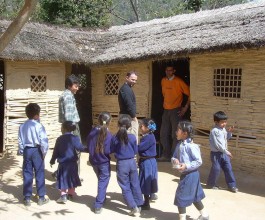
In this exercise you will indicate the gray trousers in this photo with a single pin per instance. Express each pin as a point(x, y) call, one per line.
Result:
point(77, 133)
point(170, 120)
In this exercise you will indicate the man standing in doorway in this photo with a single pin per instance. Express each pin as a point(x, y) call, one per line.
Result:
point(127, 101)
point(173, 89)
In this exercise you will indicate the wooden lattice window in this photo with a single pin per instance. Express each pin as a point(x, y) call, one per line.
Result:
point(38, 83)
point(82, 80)
point(1, 81)
point(227, 82)
point(111, 84)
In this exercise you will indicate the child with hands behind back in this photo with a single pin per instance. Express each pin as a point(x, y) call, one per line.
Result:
point(124, 147)
point(65, 151)
point(187, 155)
point(147, 161)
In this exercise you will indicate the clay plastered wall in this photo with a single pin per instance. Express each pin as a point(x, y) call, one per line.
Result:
point(19, 94)
point(246, 113)
point(142, 90)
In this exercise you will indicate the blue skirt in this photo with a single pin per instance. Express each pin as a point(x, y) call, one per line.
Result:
point(148, 176)
point(189, 190)
point(67, 176)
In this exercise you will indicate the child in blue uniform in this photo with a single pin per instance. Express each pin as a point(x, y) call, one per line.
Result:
point(124, 147)
point(220, 156)
point(147, 161)
point(98, 143)
point(33, 145)
point(65, 151)
point(188, 158)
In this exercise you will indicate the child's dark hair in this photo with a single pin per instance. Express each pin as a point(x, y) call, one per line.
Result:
point(186, 126)
point(69, 126)
point(149, 123)
point(124, 123)
point(71, 80)
point(218, 116)
point(32, 109)
point(104, 119)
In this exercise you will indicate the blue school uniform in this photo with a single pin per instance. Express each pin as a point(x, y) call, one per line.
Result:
point(33, 144)
point(65, 151)
point(220, 160)
point(147, 164)
point(189, 189)
point(127, 174)
point(101, 164)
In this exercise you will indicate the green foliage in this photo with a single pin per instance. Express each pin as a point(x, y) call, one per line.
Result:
point(212, 4)
point(77, 13)
point(194, 5)
point(10, 8)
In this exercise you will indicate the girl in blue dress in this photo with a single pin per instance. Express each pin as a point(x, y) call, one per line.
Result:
point(65, 151)
point(98, 143)
point(147, 161)
point(187, 160)
point(124, 147)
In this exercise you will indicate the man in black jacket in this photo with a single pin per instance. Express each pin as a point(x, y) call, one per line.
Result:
point(127, 101)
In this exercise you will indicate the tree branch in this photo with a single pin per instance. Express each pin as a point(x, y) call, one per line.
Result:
point(15, 27)
point(135, 10)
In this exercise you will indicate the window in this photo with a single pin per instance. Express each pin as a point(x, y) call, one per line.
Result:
point(227, 82)
point(82, 80)
point(1, 81)
point(111, 84)
point(38, 83)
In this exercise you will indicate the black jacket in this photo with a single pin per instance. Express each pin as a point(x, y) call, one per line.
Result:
point(127, 101)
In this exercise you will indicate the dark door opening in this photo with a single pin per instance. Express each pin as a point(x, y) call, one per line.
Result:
point(84, 98)
point(183, 71)
point(2, 101)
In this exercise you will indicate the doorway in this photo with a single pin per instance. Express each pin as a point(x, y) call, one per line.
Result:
point(2, 101)
point(84, 98)
point(182, 67)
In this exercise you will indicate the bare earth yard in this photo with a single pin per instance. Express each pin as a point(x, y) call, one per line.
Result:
point(247, 204)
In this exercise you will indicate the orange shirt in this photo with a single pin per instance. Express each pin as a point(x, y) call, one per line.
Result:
point(173, 91)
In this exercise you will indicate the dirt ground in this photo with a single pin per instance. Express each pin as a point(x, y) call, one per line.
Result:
point(247, 204)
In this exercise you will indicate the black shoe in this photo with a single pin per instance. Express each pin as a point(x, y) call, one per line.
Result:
point(43, 201)
point(98, 210)
point(70, 197)
point(233, 189)
point(145, 207)
point(26, 202)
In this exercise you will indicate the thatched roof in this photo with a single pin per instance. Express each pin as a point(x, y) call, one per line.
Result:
point(240, 26)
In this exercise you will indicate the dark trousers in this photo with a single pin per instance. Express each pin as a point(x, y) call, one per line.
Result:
point(103, 174)
point(170, 120)
point(221, 161)
point(33, 161)
point(127, 176)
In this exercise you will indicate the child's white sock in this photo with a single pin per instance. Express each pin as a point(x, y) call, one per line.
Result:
point(182, 216)
point(204, 213)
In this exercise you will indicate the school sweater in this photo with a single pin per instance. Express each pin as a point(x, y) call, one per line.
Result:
point(123, 152)
point(218, 139)
point(65, 148)
point(173, 91)
point(98, 158)
point(147, 146)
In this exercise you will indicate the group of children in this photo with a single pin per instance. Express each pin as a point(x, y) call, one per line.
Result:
point(137, 188)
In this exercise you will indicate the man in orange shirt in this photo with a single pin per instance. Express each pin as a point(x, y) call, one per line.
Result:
point(173, 89)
